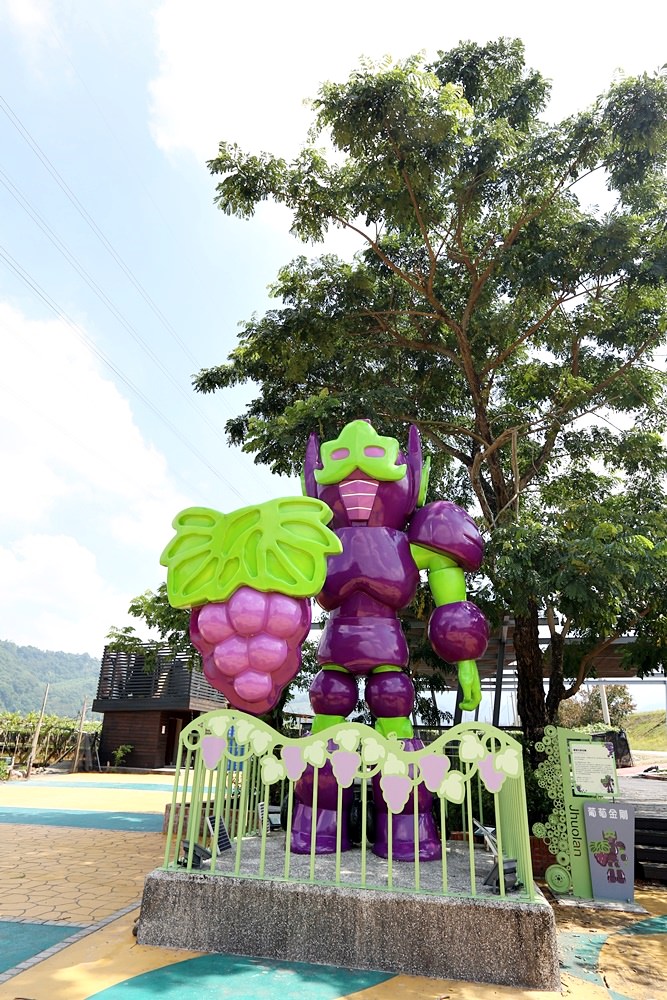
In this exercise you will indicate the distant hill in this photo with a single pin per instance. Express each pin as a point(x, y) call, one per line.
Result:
point(647, 730)
point(25, 671)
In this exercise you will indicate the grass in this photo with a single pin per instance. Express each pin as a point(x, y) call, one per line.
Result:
point(646, 731)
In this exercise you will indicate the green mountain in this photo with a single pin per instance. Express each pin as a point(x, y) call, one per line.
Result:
point(25, 672)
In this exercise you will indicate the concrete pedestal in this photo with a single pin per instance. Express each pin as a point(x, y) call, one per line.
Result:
point(478, 940)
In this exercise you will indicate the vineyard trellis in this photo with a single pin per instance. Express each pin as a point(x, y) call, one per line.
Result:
point(57, 738)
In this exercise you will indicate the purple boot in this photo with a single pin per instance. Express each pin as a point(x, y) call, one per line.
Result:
point(327, 803)
point(333, 695)
point(390, 695)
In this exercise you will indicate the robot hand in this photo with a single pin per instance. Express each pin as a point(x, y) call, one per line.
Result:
point(459, 633)
point(470, 686)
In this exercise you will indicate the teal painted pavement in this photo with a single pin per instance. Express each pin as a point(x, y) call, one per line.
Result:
point(226, 977)
point(580, 951)
point(87, 819)
point(652, 925)
point(580, 954)
point(19, 941)
point(124, 786)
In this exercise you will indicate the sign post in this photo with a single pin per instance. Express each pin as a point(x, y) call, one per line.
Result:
point(590, 834)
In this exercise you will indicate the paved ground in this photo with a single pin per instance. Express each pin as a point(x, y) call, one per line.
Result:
point(76, 849)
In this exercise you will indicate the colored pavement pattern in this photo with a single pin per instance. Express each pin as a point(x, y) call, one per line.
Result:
point(75, 851)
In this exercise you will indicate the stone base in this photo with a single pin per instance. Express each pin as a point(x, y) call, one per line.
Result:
point(477, 940)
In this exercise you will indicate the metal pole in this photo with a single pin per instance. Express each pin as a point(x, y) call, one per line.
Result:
point(605, 705)
point(458, 711)
point(500, 667)
point(35, 739)
point(78, 741)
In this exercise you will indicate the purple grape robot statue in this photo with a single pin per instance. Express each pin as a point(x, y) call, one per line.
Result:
point(248, 578)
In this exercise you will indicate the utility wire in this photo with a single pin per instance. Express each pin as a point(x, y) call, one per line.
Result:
point(100, 293)
point(28, 280)
point(112, 132)
point(90, 222)
point(82, 211)
point(124, 151)
point(25, 204)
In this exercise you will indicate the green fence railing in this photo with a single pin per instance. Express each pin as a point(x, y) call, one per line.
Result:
point(228, 763)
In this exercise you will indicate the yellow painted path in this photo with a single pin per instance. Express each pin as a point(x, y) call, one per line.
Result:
point(93, 879)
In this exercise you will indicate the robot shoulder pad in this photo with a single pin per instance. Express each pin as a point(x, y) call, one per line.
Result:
point(445, 527)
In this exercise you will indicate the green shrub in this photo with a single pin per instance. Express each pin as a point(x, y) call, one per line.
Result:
point(120, 753)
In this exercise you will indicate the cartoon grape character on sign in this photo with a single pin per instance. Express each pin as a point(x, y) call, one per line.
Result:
point(248, 578)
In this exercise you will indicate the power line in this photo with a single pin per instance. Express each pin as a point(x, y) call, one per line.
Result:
point(90, 222)
point(82, 211)
point(28, 280)
point(112, 50)
point(112, 132)
point(102, 296)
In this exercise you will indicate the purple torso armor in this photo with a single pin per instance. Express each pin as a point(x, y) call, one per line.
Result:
point(373, 578)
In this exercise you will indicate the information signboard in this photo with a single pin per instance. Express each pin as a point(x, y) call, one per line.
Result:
point(610, 835)
point(593, 769)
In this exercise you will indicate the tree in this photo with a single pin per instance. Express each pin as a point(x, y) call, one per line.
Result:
point(594, 557)
point(172, 626)
point(586, 708)
point(516, 327)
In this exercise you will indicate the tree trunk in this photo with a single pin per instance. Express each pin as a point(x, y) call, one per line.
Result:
point(530, 689)
point(556, 685)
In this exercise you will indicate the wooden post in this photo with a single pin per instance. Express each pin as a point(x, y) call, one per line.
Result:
point(78, 741)
point(35, 739)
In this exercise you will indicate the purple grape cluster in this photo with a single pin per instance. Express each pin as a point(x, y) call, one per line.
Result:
point(251, 645)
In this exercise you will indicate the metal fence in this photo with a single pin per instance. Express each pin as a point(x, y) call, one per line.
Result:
point(228, 763)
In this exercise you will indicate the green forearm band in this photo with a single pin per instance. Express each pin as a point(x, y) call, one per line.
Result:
point(447, 585)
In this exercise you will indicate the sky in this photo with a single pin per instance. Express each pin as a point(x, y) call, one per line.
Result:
point(119, 278)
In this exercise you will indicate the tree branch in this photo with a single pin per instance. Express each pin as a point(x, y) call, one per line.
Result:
point(586, 661)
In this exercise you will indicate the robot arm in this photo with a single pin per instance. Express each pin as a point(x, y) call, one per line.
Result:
point(445, 542)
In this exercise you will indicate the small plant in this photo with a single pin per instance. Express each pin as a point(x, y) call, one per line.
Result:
point(4, 769)
point(120, 753)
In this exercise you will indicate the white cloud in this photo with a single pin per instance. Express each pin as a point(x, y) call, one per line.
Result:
point(241, 73)
point(54, 597)
point(30, 21)
point(29, 17)
point(86, 502)
point(68, 433)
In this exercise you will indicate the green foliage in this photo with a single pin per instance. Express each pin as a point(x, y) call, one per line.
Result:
point(57, 736)
point(120, 753)
point(514, 324)
point(586, 708)
point(25, 671)
point(171, 624)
